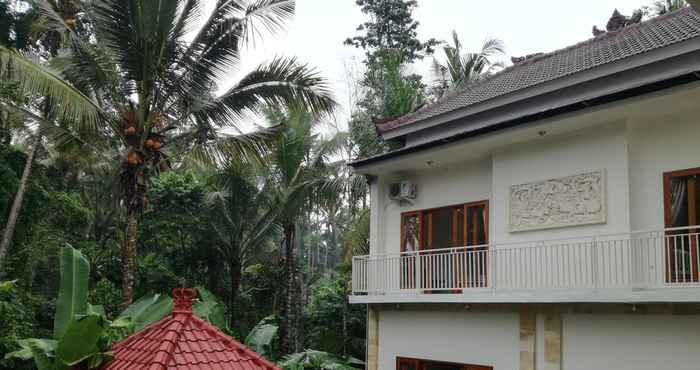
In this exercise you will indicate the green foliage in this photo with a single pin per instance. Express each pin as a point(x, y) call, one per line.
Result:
point(318, 360)
point(16, 321)
point(262, 337)
point(80, 339)
point(392, 92)
point(82, 333)
point(460, 69)
point(144, 311)
point(391, 27)
point(208, 308)
point(356, 237)
point(72, 291)
point(334, 325)
point(391, 43)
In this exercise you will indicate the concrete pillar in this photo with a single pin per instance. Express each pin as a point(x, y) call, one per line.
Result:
point(552, 341)
point(372, 338)
point(527, 340)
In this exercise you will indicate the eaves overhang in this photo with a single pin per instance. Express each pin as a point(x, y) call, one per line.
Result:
point(646, 73)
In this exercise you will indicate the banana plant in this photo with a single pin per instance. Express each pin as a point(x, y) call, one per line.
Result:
point(319, 360)
point(262, 337)
point(82, 333)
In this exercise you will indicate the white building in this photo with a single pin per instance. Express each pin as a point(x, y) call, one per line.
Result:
point(552, 221)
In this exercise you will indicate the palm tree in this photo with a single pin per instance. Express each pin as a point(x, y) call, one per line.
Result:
point(50, 40)
point(301, 180)
point(243, 220)
point(461, 68)
point(146, 77)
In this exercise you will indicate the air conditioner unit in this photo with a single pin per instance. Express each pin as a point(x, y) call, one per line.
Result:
point(403, 190)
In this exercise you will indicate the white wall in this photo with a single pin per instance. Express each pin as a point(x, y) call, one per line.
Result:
point(658, 144)
point(467, 182)
point(635, 143)
point(634, 342)
point(474, 338)
point(599, 148)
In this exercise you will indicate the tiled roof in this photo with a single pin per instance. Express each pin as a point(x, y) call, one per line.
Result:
point(612, 46)
point(183, 341)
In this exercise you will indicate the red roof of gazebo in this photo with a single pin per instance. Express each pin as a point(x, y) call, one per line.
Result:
point(183, 341)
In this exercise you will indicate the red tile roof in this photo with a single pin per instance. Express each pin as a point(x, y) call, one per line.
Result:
point(183, 341)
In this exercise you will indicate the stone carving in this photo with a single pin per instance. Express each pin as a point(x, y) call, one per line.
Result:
point(565, 201)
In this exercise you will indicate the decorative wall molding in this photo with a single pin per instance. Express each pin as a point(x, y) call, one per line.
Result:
point(565, 201)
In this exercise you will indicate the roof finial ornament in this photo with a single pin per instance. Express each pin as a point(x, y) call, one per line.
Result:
point(182, 300)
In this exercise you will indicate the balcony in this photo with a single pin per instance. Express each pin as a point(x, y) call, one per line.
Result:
point(636, 267)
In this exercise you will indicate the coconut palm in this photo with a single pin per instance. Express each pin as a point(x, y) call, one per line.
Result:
point(462, 68)
point(301, 179)
point(243, 220)
point(147, 75)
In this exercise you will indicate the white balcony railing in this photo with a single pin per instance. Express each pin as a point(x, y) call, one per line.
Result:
point(650, 259)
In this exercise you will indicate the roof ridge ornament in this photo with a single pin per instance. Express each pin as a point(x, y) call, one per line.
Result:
point(182, 300)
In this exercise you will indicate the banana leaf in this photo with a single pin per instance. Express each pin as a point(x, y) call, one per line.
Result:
point(145, 311)
point(73, 289)
point(262, 336)
point(25, 352)
point(80, 339)
point(209, 308)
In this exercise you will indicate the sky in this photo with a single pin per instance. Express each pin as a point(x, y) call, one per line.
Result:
point(316, 33)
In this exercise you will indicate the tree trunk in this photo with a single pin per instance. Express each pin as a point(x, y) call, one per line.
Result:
point(235, 270)
point(300, 302)
point(9, 230)
point(129, 258)
point(289, 273)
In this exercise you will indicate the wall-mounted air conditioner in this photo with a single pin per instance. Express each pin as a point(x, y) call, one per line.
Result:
point(404, 190)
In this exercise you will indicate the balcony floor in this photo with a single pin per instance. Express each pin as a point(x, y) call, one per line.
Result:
point(690, 293)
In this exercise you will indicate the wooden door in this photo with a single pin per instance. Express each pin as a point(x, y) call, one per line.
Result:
point(476, 237)
point(407, 364)
point(411, 241)
point(681, 210)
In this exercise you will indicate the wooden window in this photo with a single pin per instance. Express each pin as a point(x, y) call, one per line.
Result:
point(404, 363)
point(462, 226)
point(682, 210)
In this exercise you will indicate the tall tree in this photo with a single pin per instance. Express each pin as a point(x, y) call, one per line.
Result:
point(391, 27)
point(51, 40)
point(243, 219)
point(391, 43)
point(301, 179)
point(143, 81)
point(460, 68)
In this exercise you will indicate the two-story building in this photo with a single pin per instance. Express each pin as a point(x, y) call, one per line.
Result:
point(545, 216)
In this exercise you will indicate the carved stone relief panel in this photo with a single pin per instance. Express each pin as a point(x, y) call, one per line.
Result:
point(564, 201)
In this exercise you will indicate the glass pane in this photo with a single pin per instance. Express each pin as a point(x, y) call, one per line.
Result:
point(682, 244)
point(441, 366)
point(458, 227)
point(437, 232)
point(411, 232)
point(476, 225)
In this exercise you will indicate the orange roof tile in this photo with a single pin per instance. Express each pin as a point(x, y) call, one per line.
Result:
point(182, 341)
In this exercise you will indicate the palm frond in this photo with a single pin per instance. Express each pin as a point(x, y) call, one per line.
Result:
point(67, 102)
point(282, 82)
point(212, 149)
point(50, 20)
point(269, 15)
